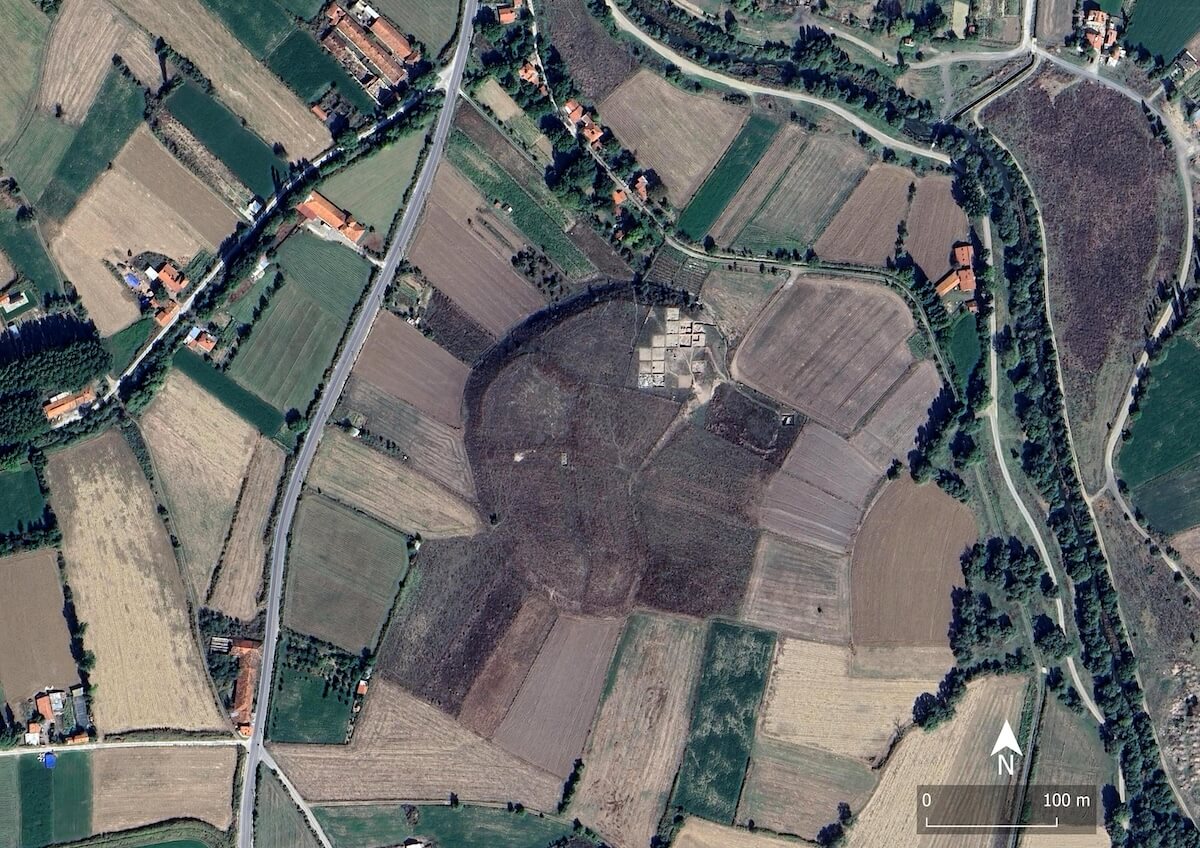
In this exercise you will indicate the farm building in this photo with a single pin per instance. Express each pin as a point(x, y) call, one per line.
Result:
point(249, 653)
point(352, 33)
point(13, 301)
point(581, 120)
point(317, 207)
point(961, 279)
point(65, 407)
point(395, 41)
point(200, 340)
point(164, 313)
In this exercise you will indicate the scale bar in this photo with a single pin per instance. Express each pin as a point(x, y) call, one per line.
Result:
point(991, 826)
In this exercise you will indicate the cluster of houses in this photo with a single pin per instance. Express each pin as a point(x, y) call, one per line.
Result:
point(169, 277)
point(582, 122)
point(371, 49)
point(320, 211)
point(958, 284)
point(640, 187)
point(249, 655)
point(1098, 32)
point(58, 714)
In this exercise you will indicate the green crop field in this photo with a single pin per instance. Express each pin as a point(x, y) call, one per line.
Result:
point(432, 21)
point(278, 822)
point(327, 271)
point(25, 29)
point(36, 154)
point(344, 570)
point(1171, 501)
point(114, 116)
point(10, 803)
point(260, 25)
point(124, 345)
point(964, 349)
point(242, 309)
point(306, 9)
point(248, 156)
point(250, 406)
point(373, 188)
point(737, 661)
point(309, 70)
point(728, 176)
point(21, 501)
point(448, 827)
point(56, 804)
point(314, 691)
point(1163, 26)
point(24, 248)
point(541, 222)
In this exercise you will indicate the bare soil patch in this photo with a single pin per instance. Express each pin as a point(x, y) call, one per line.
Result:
point(818, 495)
point(498, 682)
point(129, 592)
point(134, 787)
point(864, 230)
point(237, 586)
point(431, 447)
point(201, 450)
point(638, 739)
point(388, 489)
point(35, 647)
point(85, 36)
point(699, 833)
point(816, 699)
point(891, 431)
point(801, 590)
point(935, 223)
point(1105, 259)
point(1055, 20)
point(905, 565)
point(736, 297)
point(680, 135)
point(243, 83)
point(7, 274)
point(439, 756)
point(828, 347)
point(400, 361)
point(549, 721)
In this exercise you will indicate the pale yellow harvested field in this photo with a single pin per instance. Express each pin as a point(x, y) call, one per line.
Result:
point(6, 270)
point(145, 201)
point(957, 752)
point(1099, 839)
point(814, 699)
point(799, 589)
point(891, 431)
point(679, 135)
point(244, 84)
point(134, 787)
point(32, 603)
point(83, 38)
point(698, 833)
point(128, 589)
point(388, 489)
point(494, 97)
point(639, 734)
point(236, 590)
point(405, 749)
point(548, 722)
point(200, 450)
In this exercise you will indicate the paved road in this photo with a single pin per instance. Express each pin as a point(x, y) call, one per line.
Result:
point(690, 67)
point(333, 388)
point(232, 741)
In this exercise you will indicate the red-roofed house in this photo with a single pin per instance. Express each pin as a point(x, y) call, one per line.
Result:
point(507, 15)
point(966, 279)
point(172, 278)
point(201, 340)
point(395, 41)
point(58, 407)
point(316, 205)
point(529, 74)
point(42, 704)
point(574, 111)
point(964, 254)
point(641, 187)
point(593, 132)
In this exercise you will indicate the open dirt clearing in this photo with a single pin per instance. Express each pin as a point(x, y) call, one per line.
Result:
point(794, 789)
point(244, 84)
point(32, 603)
point(794, 210)
point(828, 347)
point(400, 361)
point(891, 431)
point(475, 276)
point(905, 564)
point(954, 753)
point(864, 230)
point(433, 448)
point(801, 590)
point(935, 223)
point(815, 699)
point(735, 298)
point(680, 135)
point(498, 682)
point(639, 735)
point(140, 786)
point(819, 494)
point(85, 36)
point(201, 451)
point(236, 590)
point(146, 201)
point(388, 489)
point(548, 722)
point(698, 833)
point(129, 591)
point(438, 756)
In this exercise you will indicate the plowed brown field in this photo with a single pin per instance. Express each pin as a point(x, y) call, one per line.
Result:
point(891, 431)
point(32, 603)
point(864, 230)
point(935, 223)
point(801, 590)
